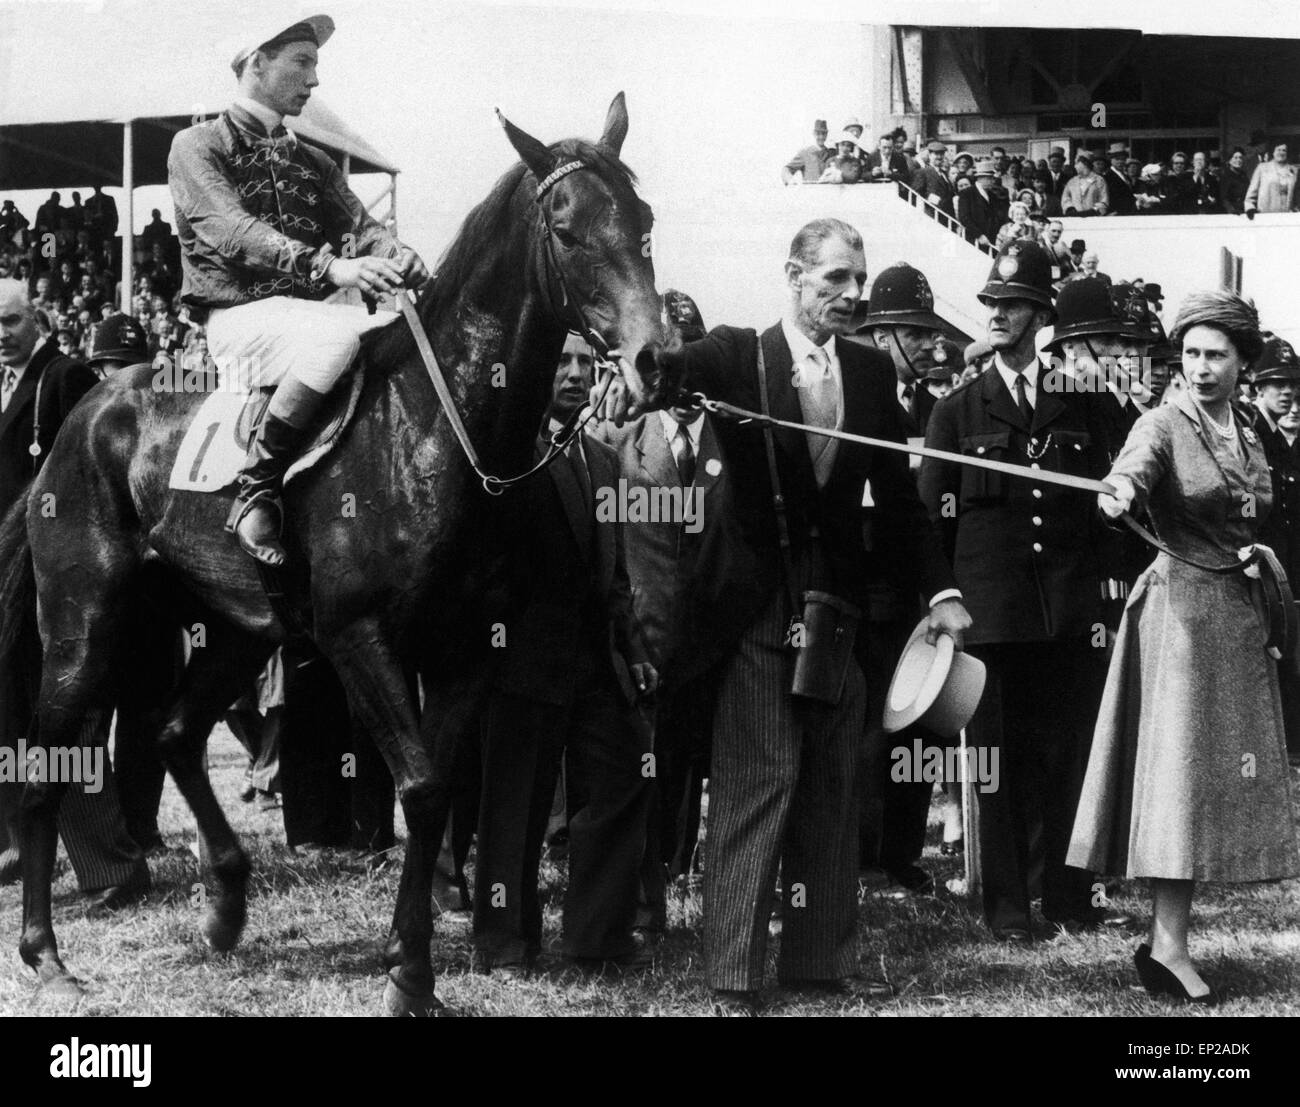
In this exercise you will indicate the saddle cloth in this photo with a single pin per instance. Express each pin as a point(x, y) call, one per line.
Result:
point(216, 441)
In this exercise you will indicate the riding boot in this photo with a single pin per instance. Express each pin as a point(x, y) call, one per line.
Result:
point(257, 515)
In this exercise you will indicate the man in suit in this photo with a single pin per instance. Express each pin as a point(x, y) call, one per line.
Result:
point(572, 664)
point(101, 215)
point(978, 207)
point(931, 179)
point(1117, 185)
point(901, 319)
point(109, 865)
point(1203, 187)
point(888, 163)
point(675, 570)
point(781, 791)
point(1028, 560)
point(1057, 171)
point(808, 165)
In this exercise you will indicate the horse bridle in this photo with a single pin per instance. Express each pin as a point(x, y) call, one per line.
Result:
point(605, 358)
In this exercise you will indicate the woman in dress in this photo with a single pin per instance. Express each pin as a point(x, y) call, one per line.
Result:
point(1017, 225)
point(1187, 778)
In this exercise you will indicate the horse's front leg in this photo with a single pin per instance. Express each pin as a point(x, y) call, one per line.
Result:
point(381, 703)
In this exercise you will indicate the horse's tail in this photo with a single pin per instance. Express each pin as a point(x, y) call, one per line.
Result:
point(19, 642)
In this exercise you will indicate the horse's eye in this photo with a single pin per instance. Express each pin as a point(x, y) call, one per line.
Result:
point(565, 238)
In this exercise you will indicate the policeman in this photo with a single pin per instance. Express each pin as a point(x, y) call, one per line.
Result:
point(1029, 560)
point(117, 342)
point(1276, 386)
point(901, 319)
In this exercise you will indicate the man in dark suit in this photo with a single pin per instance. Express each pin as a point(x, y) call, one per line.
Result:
point(101, 215)
point(888, 163)
point(781, 791)
point(572, 663)
point(109, 865)
point(931, 179)
point(1027, 560)
point(978, 208)
point(1117, 185)
point(1057, 171)
point(157, 232)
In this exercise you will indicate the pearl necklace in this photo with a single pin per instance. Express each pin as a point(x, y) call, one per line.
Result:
point(1226, 433)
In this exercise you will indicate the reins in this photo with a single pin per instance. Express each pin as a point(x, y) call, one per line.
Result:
point(605, 358)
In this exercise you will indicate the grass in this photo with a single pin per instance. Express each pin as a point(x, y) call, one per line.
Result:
point(309, 948)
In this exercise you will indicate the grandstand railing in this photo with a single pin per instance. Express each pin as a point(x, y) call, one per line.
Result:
point(909, 195)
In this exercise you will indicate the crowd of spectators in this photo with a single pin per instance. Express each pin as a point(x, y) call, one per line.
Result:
point(1099, 182)
point(68, 256)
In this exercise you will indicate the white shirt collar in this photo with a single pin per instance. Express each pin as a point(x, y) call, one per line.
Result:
point(268, 117)
point(1008, 376)
point(1259, 404)
point(801, 346)
point(693, 429)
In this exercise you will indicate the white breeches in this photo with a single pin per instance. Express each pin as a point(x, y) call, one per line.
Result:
point(314, 341)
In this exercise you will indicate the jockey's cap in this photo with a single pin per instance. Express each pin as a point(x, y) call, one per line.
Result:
point(274, 31)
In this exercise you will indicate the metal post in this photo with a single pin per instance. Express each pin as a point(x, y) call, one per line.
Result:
point(128, 228)
point(392, 202)
point(347, 166)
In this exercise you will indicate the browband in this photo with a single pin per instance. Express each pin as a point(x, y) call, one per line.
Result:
point(557, 174)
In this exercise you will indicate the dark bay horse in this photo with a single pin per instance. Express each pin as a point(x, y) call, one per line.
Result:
point(386, 531)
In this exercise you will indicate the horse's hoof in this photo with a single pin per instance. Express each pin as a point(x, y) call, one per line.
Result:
point(223, 928)
point(402, 1005)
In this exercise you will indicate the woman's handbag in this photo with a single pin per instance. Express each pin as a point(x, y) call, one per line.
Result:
point(823, 626)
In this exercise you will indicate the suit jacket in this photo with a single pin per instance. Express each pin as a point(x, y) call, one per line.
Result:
point(927, 180)
point(677, 570)
point(891, 538)
point(1232, 190)
point(568, 600)
point(1060, 180)
point(1121, 194)
point(978, 215)
point(1203, 195)
point(898, 168)
point(61, 383)
point(1030, 558)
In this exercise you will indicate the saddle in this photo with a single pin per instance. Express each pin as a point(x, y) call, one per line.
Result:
point(216, 441)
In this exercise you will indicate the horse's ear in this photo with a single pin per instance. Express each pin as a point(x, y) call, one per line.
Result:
point(536, 156)
point(615, 125)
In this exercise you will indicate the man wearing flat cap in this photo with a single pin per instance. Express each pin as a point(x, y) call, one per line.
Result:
point(931, 181)
point(268, 229)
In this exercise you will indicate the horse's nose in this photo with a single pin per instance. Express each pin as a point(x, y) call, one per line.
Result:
point(660, 371)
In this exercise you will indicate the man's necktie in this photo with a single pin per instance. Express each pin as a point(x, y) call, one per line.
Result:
point(684, 455)
point(7, 386)
point(1022, 399)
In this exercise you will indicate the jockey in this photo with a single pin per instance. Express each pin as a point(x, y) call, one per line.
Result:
point(268, 228)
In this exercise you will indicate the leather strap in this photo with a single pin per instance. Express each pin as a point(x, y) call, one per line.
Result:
point(778, 498)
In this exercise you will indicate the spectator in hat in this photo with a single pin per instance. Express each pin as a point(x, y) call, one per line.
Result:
point(905, 146)
point(977, 208)
point(1057, 171)
point(1117, 184)
point(1059, 255)
point(810, 163)
point(1088, 268)
point(1045, 200)
point(1086, 193)
point(1234, 183)
point(1177, 195)
point(931, 181)
point(1272, 187)
point(1155, 295)
point(848, 166)
point(853, 127)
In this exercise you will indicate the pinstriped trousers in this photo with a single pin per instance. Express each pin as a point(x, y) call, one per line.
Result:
point(781, 792)
point(90, 824)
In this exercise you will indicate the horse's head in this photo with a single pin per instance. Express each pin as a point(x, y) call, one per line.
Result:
point(596, 248)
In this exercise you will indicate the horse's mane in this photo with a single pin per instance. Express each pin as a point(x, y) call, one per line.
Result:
point(487, 223)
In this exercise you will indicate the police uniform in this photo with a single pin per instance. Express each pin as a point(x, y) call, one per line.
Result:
point(893, 814)
point(1279, 364)
point(1028, 559)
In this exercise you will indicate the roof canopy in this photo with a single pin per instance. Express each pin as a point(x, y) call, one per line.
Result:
point(77, 72)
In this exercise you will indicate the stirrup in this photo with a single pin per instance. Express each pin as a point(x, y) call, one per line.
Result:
point(243, 505)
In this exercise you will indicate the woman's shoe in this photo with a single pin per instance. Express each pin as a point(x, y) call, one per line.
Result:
point(1159, 981)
